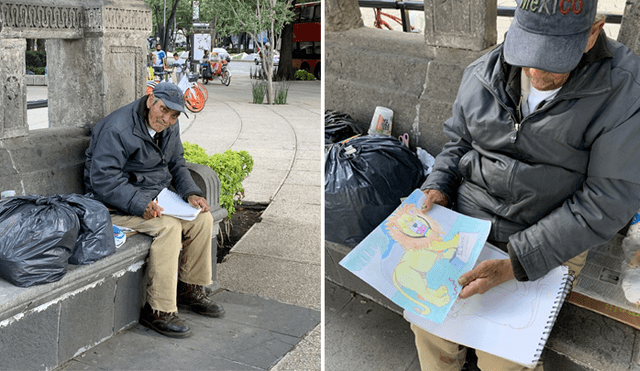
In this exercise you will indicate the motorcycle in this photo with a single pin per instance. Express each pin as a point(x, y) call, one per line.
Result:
point(212, 69)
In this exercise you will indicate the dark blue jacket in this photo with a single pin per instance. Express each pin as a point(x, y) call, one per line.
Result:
point(559, 181)
point(125, 169)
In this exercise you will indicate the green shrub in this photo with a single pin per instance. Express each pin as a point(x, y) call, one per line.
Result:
point(36, 70)
point(258, 90)
point(282, 92)
point(36, 58)
point(304, 75)
point(232, 168)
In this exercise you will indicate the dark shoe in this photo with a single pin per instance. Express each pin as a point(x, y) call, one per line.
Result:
point(193, 297)
point(167, 324)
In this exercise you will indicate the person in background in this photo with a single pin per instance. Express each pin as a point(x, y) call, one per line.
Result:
point(160, 62)
point(178, 67)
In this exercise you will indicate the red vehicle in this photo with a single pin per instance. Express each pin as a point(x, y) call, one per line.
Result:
point(307, 34)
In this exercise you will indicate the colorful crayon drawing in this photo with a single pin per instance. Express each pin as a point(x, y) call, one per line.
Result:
point(421, 238)
point(415, 259)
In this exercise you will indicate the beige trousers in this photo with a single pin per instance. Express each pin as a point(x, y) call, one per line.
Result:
point(437, 354)
point(166, 265)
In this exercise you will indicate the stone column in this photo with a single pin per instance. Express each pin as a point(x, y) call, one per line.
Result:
point(342, 15)
point(13, 101)
point(461, 24)
point(104, 70)
point(630, 28)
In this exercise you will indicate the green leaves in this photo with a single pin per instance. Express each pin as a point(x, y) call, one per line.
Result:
point(232, 168)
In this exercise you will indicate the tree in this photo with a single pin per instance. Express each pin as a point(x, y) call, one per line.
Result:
point(178, 10)
point(254, 17)
point(285, 65)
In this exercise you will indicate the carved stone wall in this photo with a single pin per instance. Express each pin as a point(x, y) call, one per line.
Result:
point(629, 34)
point(96, 53)
point(37, 20)
point(13, 99)
point(343, 15)
point(461, 24)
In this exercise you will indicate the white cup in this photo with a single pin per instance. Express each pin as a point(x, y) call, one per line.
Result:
point(382, 121)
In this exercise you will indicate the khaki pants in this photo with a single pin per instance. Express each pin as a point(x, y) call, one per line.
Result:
point(437, 354)
point(166, 265)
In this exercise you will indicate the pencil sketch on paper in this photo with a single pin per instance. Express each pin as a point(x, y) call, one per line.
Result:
point(527, 297)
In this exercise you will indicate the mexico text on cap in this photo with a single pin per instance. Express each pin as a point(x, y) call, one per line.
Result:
point(549, 35)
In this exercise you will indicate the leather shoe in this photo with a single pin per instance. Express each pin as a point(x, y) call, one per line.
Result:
point(193, 297)
point(167, 324)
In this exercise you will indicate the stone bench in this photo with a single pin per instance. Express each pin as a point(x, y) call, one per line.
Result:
point(43, 326)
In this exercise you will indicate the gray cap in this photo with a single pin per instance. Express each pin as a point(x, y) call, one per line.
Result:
point(549, 35)
point(171, 96)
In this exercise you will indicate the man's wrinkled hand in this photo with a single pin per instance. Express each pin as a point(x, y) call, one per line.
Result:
point(199, 202)
point(152, 210)
point(434, 197)
point(486, 275)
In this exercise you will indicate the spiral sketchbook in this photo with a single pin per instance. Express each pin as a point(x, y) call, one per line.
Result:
point(512, 320)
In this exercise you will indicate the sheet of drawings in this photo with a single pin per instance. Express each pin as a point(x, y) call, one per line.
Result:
point(415, 258)
point(514, 313)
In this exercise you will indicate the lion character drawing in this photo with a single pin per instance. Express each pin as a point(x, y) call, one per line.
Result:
point(421, 238)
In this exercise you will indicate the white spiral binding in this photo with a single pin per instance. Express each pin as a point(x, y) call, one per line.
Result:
point(568, 279)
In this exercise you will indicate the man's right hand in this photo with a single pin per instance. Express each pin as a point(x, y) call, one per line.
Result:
point(434, 197)
point(153, 210)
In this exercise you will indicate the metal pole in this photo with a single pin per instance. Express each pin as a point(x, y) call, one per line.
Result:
point(164, 24)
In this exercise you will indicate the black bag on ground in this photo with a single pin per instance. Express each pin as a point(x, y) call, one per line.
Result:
point(95, 240)
point(365, 178)
point(37, 237)
point(338, 127)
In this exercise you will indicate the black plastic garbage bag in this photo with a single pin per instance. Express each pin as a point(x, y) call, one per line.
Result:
point(338, 127)
point(365, 178)
point(95, 240)
point(37, 237)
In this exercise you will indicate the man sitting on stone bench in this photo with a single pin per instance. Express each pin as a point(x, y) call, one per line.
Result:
point(544, 143)
point(135, 152)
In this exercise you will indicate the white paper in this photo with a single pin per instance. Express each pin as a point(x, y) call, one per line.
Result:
point(175, 206)
point(512, 320)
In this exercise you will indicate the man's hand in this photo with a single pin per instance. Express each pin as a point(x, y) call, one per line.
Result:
point(434, 197)
point(153, 210)
point(488, 274)
point(199, 202)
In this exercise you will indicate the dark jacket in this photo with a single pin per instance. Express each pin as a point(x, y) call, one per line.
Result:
point(559, 181)
point(125, 169)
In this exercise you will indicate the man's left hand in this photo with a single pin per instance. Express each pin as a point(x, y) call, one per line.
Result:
point(486, 275)
point(200, 202)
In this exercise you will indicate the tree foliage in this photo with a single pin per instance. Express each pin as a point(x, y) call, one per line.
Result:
point(254, 17)
point(228, 17)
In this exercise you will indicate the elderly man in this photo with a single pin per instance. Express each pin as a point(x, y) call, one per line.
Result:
point(544, 143)
point(135, 152)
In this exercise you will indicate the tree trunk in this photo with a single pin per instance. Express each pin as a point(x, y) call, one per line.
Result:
point(159, 33)
point(40, 44)
point(213, 32)
point(285, 67)
point(167, 30)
